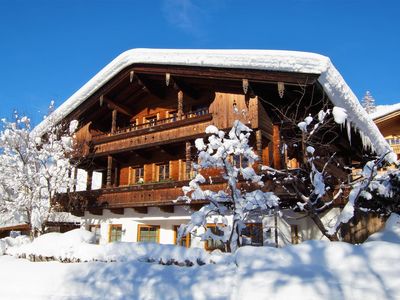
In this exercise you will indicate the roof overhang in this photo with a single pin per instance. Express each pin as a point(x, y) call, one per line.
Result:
point(329, 78)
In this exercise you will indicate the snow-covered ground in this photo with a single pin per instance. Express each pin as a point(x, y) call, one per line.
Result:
point(311, 270)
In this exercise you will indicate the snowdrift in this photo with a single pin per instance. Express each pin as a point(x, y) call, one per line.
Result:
point(78, 246)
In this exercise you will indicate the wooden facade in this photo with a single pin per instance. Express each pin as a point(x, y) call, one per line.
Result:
point(389, 126)
point(138, 130)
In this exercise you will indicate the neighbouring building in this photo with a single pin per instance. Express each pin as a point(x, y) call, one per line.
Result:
point(387, 118)
point(140, 115)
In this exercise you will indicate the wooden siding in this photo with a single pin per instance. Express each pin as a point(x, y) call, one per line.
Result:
point(221, 114)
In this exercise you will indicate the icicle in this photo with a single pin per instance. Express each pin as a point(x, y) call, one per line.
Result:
point(348, 124)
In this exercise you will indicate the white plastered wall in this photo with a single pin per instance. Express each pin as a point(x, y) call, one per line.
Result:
point(131, 219)
point(307, 230)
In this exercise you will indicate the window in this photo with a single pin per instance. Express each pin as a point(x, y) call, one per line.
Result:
point(252, 234)
point(139, 175)
point(148, 233)
point(212, 244)
point(163, 172)
point(96, 230)
point(185, 240)
point(239, 161)
point(115, 233)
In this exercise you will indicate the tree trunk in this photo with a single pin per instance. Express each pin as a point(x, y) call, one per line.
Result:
point(322, 228)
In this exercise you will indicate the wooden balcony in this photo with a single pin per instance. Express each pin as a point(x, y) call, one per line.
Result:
point(144, 195)
point(153, 133)
point(396, 148)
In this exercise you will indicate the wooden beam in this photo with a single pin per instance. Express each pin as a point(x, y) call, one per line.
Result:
point(96, 211)
point(276, 147)
point(109, 171)
point(179, 85)
point(145, 85)
point(229, 73)
point(117, 211)
point(259, 146)
point(196, 206)
point(188, 158)
point(141, 209)
point(167, 208)
point(180, 105)
point(114, 121)
point(119, 107)
point(89, 180)
point(247, 89)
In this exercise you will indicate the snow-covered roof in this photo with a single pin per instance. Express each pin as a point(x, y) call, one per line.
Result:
point(11, 220)
point(272, 60)
point(383, 110)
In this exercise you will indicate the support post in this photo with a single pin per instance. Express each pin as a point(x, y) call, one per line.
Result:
point(188, 160)
point(75, 174)
point(276, 228)
point(114, 121)
point(89, 180)
point(116, 173)
point(109, 171)
point(259, 146)
point(180, 105)
point(276, 147)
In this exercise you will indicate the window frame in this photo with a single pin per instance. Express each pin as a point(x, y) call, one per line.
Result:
point(187, 238)
point(111, 226)
point(140, 226)
point(207, 242)
point(162, 175)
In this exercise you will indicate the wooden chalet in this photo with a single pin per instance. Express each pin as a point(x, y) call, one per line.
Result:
point(388, 121)
point(139, 118)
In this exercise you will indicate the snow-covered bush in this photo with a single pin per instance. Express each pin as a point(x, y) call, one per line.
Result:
point(220, 151)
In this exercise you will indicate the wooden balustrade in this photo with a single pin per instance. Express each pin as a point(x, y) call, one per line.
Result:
point(152, 194)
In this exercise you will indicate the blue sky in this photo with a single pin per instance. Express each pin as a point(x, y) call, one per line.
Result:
point(49, 49)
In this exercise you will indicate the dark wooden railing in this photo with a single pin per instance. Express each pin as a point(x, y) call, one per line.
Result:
point(149, 194)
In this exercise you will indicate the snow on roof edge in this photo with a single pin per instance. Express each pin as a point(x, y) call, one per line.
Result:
point(273, 60)
point(383, 110)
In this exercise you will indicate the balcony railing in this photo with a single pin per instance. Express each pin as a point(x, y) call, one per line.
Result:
point(153, 124)
point(151, 194)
